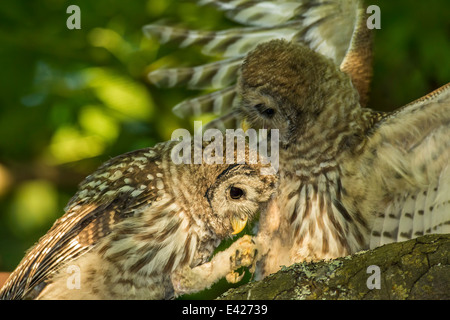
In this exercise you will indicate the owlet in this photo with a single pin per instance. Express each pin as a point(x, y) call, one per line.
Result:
point(143, 227)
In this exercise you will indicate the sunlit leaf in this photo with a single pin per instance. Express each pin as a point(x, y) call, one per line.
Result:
point(111, 41)
point(70, 144)
point(35, 203)
point(120, 93)
point(95, 121)
point(156, 7)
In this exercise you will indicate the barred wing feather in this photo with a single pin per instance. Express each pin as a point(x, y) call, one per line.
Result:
point(412, 168)
point(334, 28)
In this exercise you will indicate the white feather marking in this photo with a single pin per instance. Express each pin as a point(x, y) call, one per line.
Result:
point(191, 37)
point(116, 175)
point(269, 13)
point(406, 219)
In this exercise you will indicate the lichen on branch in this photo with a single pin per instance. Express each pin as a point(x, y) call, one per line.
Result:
point(414, 269)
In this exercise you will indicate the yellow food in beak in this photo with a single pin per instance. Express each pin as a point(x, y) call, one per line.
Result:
point(238, 224)
point(245, 125)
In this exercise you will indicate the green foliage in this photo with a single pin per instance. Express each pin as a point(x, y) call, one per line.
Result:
point(71, 99)
point(412, 51)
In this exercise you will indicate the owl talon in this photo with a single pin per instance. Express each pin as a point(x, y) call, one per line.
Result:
point(234, 277)
point(243, 256)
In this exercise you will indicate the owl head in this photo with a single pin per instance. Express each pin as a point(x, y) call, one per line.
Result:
point(289, 87)
point(224, 196)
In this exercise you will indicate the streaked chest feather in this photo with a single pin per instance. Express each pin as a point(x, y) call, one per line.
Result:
point(319, 223)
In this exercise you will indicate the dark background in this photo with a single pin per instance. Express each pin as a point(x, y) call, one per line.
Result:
point(71, 99)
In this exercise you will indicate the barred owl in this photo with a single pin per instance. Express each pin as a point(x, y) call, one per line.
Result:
point(143, 227)
point(335, 28)
point(350, 178)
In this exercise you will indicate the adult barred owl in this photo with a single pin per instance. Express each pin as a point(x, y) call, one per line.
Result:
point(350, 178)
point(144, 227)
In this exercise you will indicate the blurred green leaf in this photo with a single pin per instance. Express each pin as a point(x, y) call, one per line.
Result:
point(94, 120)
point(120, 93)
point(35, 203)
point(69, 144)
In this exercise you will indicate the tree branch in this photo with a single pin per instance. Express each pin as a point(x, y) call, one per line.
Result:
point(414, 269)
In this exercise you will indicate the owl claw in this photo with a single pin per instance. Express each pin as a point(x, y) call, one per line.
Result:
point(244, 256)
point(234, 277)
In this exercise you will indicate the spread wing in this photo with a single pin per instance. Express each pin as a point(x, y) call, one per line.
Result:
point(101, 202)
point(335, 28)
point(409, 152)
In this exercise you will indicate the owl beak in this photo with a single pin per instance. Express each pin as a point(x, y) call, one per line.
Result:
point(238, 224)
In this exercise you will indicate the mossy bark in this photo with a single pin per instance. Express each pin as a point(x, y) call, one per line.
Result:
point(414, 269)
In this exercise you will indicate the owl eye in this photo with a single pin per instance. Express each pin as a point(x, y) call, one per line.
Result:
point(269, 112)
point(236, 193)
point(266, 112)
